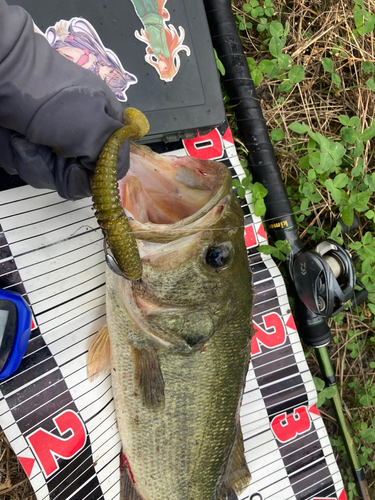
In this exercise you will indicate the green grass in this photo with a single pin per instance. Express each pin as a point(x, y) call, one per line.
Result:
point(313, 65)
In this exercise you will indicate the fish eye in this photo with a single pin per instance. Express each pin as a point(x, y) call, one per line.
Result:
point(219, 256)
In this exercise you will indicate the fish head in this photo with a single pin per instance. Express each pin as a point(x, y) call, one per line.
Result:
point(189, 230)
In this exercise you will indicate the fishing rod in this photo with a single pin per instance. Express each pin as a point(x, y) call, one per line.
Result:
point(323, 279)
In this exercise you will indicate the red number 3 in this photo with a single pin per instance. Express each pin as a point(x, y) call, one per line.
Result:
point(48, 446)
point(288, 427)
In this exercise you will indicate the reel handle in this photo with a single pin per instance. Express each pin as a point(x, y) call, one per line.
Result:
point(360, 296)
point(347, 229)
point(314, 329)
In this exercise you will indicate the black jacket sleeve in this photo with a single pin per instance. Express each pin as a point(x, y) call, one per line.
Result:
point(55, 116)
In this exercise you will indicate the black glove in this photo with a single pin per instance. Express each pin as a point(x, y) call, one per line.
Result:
point(55, 116)
point(40, 167)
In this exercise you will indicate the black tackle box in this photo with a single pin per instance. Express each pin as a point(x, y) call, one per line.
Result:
point(157, 55)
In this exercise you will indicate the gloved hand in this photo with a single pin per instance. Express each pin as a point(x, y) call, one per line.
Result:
point(40, 167)
point(55, 116)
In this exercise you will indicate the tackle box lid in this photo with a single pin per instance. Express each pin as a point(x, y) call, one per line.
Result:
point(156, 55)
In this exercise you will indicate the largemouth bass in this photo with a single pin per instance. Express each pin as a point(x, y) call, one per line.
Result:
point(180, 337)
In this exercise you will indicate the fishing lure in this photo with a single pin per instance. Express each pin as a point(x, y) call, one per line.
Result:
point(106, 196)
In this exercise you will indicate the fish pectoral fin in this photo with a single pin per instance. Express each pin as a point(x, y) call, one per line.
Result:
point(237, 476)
point(99, 359)
point(127, 488)
point(148, 377)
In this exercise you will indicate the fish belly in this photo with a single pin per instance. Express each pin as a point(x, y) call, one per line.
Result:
point(179, 450)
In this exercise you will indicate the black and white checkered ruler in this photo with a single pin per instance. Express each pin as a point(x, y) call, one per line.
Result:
point(63, 428)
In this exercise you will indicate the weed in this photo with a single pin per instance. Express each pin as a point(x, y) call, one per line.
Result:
point(324, 393)
point(279, 251)
point(315, 65)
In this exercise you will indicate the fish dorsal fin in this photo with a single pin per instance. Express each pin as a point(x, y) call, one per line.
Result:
point(99, 359)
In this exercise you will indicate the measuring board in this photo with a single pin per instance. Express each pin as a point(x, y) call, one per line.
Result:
point(63, 428)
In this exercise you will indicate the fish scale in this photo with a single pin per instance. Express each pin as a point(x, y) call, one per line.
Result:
point(180, 349)
point(189, 434)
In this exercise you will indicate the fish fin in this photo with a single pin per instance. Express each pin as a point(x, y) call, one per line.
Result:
point(237, 476)
point(229, 494)
point(127, 488)
point(148, 376)
point(99, 359)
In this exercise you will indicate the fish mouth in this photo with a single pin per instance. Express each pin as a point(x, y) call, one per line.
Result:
point(172, 204)
point(161, 194)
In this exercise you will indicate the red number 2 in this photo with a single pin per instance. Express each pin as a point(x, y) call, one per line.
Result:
point(269, 339)
point(288, 427)
point(48, 446)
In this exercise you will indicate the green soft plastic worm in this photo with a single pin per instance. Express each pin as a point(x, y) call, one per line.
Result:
point(106, 197)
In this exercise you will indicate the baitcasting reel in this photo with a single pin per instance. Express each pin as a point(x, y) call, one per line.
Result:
point(325, 281)
point(325, 278)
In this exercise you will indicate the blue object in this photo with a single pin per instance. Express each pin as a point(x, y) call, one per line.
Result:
point(15, 328)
